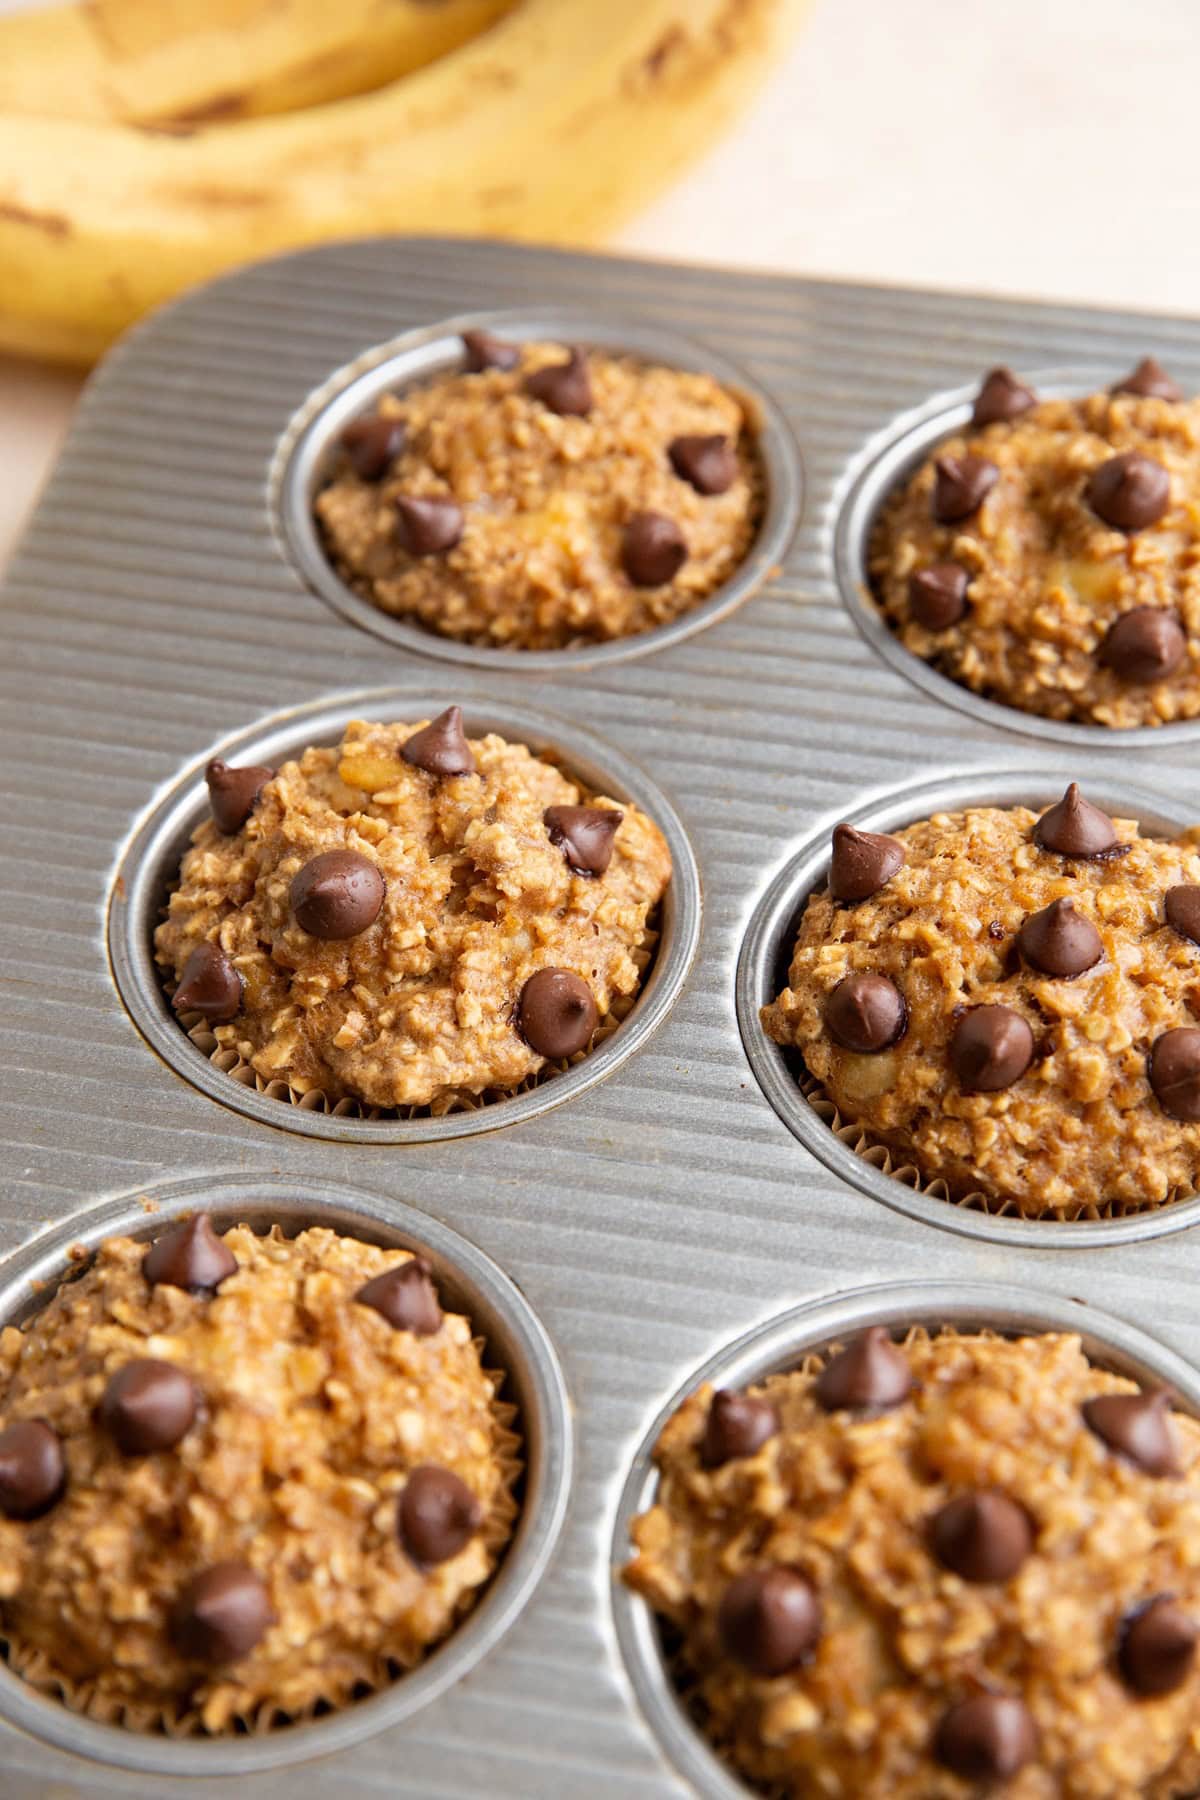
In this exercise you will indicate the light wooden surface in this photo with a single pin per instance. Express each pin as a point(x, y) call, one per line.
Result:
point(1028, 148)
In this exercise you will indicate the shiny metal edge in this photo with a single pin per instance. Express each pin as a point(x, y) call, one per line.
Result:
point(149, 861)
point(303, 456)
point(776, 1345)
point(888, 459)
point(766, 951)
point(516, 1342)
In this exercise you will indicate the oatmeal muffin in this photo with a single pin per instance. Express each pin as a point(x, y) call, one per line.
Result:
point(1009, 1003)
point(1049, 556)
point(409, 918)
point(242, 1476)
point(930, 1570)
point(545, 497)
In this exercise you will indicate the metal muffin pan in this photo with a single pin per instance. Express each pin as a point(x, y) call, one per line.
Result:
point(309, 448)
point(468, 1282)
point(153, 614)
point(150, 867)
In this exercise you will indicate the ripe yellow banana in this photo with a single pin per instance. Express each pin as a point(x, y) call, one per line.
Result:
point(548, 127)
point(166, 62)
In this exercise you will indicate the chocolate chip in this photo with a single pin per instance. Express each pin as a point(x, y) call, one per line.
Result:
point(709, 463)
point(483, 351)
point(1174, 1072)
point(869, 1375)
point(405, 1297)
point(222, 1614)
point(1074, 827)
point(556, 1013)
point(1129, 491)
point(986, 1738)
point(584, 834)
point(982, 1535)
point(769, 1620)
point(427, 526)
point(866, 1013)
point(1158, 1647)
point(209, 985)
point(1149, 381)
point(1060, 941)
point(148, 1405)
point(336, 895)
point(189, 1256)
point(373, 445)
point(564, 387)
point(233, 792)
point(738, 1425)
point(652, 549)
point(1002, 396)
point(1144, 645)
point(440, 747)
point(990, 1048)
point(33, 1469)
point(862, 862)
point(1181, 909)
point(1137, 1427)
point(961, 485)
point(438, 1514)
point(937, 596)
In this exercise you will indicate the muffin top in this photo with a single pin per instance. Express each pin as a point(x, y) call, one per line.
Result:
point(1010, 1002)
point(922, 1572)
point(1049, 555)
point(242, 1475)
point(409, 917)
point(545, 497)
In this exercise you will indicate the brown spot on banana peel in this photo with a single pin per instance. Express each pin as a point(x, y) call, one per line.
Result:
point(53, 224)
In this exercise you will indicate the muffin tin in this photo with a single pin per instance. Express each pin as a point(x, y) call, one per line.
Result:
point(157, 610)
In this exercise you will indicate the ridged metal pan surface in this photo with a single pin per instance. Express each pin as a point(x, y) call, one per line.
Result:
point(652, 1218)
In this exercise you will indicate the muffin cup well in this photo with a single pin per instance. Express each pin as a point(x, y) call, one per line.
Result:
point(888, 460)
point(307, 449)
point(802, 1103)
point(534, 1394)
point(149, 866)
point(782, 1343)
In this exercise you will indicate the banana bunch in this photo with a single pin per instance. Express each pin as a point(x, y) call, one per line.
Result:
point(146, 145)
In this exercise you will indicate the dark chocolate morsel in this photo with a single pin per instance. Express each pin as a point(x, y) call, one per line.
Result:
point(1181, 909)
point(866, 1013)
point(1148, 381)
point(437, 1516)
point(189, 1256)
point(336, 895)
point(428, 526)
point(148, 1405)
point(1146, 644)
point(373, 445)
point(862, 862)
point(209, 985)
point(1137, 1427)
point(483, 351)
point(982, 1535)
point(1174, 1071)
point(961, 485)
point(584, 834)
point(1060, 941)
point(738, 1425)
point(232, 792)
point(937, 596)
point(709, 464)
point(1129, 491)
point(564, 387)
point(769, 1620)
point(405, 1296)
point(1001, 397)
point(1074, 827)
point(557, 1013)
point(990, 1048)
point(222, 1614)
point(869, 1375)
point(986, 1738)
point(1157, 1647)
point(33, 1469)
point(653, 549)
point(440, 748)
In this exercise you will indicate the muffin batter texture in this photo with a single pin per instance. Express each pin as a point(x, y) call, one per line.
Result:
point(933, 1570)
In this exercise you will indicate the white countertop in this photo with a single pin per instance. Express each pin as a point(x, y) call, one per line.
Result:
point(1042, 147)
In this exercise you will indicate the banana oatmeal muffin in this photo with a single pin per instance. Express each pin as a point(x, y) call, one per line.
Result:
point(242, 1477)
point(1010, 1003)
point(410, 918)
point(929, 1570)
point(545, 497)
point(1049, 556)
